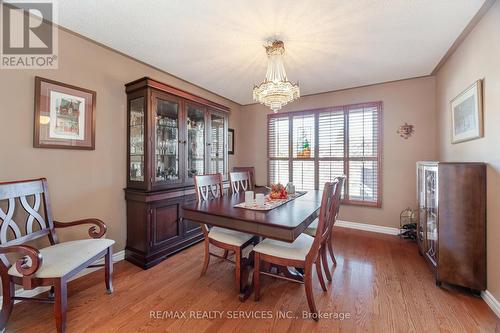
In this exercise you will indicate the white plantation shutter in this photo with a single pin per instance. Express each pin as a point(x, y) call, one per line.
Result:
point(278, 144)
point(303, 132)
point(278, 171)
point(331, 134)
point(303, 175)
point(328, 170)
point(363, 177)
point(279, 150)
point(303, 147)
point(363, 153)
point(342, 141)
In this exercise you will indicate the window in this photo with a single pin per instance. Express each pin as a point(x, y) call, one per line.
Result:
point(310, 148)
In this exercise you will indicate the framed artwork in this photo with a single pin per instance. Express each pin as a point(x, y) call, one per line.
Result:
point(64, 116)
point(467, 114)
point(230, 141)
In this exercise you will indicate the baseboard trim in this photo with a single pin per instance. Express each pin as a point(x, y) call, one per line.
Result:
point(118, 256)
point(367, 227)
point(492, 302)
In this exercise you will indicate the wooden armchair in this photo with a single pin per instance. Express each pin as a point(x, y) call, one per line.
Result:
point(50, 266)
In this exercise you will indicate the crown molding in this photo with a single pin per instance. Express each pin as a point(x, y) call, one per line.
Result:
point(472, 24)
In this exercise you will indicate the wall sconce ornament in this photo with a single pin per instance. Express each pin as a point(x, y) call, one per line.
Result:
point(405, 131)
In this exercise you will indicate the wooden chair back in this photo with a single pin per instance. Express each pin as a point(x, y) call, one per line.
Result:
point(28, 203)
point(327, 210)
point(338, 196)
point(208, 186)
point(250, 170)
point(240, 181)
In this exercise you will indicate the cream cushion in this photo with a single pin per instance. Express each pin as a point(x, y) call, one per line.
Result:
point(62, 258)
point(311, 229)
point(297, 250)
point(229, 236)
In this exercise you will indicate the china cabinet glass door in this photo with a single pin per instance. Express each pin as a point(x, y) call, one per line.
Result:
point(422, 209)
point(195, 141)
point(218, 143)
point(167, 140)
point(430, 175)
point(136, 139)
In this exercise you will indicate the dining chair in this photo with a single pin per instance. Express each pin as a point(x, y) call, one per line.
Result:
point(311, 230)
point(25, 216)
point(240, 181)
point(209, 187)
point(303, 253)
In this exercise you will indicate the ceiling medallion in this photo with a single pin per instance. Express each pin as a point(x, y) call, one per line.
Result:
point(276, 91)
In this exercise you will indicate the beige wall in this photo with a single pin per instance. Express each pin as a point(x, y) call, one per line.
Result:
point(409, 101)
point(478, 57)
point(82, 183)
point(90, 183)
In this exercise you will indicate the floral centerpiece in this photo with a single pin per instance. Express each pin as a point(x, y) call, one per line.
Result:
point(278, 191)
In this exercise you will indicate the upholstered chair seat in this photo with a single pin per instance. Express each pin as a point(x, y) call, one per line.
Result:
point(311, 229)
point(227, 236)
point(60, 259)
point(297, 250)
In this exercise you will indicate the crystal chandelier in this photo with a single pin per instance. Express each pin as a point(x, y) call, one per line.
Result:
point(276, 91)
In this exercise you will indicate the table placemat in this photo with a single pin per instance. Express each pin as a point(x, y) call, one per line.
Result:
point(271, 204)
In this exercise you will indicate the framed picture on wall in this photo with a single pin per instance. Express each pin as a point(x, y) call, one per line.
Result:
point(64, 116)
point(230, 141)
point(467, 114)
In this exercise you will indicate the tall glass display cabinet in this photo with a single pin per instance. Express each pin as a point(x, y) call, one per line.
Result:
point(172, 136)
point(451, 222)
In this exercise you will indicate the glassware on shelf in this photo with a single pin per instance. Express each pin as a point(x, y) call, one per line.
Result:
point(196, 141)
point(136, 139)
point(167, 140)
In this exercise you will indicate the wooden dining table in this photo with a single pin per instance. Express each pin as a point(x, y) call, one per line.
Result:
point(284, 223)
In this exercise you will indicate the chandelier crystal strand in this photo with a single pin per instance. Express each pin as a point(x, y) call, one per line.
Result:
point(276, 91)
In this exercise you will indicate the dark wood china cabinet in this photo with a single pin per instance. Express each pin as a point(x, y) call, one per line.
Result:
point(451, 222)
point(172, 136)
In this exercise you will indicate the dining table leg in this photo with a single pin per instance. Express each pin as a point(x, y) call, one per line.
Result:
point(246, 281)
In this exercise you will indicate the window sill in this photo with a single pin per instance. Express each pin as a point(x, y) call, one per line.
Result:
point(362, 203)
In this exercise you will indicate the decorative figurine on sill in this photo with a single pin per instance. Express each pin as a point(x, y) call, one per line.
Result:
point(306, 150)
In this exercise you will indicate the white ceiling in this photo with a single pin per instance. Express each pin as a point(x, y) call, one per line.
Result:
point(329, 44)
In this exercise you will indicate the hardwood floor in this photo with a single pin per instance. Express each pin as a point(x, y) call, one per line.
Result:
point(380, 282)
